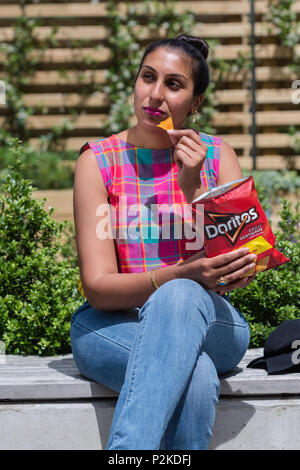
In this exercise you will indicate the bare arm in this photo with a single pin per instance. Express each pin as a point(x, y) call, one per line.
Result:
point(230, 169)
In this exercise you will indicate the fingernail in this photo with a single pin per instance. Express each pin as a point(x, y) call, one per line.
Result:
point(170, 131)
point(251, 266)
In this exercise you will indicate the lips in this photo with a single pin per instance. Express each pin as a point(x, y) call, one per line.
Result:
point(154, 111)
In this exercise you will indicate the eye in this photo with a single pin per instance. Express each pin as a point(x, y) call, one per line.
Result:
point(173, 84)
point(147, 76)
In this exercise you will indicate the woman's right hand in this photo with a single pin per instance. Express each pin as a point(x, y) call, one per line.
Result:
point(207, 271)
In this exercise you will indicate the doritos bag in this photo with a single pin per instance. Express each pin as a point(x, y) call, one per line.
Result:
point(234, 218)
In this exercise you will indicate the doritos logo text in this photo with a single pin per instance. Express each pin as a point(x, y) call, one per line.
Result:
point(229, 225)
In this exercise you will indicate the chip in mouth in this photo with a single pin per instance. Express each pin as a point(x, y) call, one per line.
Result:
point(167, 124)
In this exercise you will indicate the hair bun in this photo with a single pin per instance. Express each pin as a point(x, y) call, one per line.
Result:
point(196, 42)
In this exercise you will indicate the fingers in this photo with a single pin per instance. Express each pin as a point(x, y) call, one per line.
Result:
point(240, 273)
point(173, 138)
point(238, 267)
point(182, 151)
point(195, 151)
point(189, 143)
point(189, 134)
point(238, 284)
point(183, 156)
point(188, 151)
point(227, 258)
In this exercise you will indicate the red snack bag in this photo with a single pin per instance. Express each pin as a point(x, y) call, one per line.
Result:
point(234, 218)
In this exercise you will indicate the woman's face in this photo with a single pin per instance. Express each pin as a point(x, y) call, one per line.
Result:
point(164, 88)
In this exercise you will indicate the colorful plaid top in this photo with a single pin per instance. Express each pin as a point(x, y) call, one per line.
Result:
point(142, 187)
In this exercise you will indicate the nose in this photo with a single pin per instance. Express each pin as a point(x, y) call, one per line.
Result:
point(156, 93)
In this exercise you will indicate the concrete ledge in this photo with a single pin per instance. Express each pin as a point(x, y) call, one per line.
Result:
point(45, 403)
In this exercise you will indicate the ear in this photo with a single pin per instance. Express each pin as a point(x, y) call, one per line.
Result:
point(197, 102)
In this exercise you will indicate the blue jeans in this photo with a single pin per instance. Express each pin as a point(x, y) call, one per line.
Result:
point(164, 359)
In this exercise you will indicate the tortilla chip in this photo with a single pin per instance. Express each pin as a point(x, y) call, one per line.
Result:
point(167, 124)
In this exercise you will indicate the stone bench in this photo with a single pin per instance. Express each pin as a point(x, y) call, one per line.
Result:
point(45, 403)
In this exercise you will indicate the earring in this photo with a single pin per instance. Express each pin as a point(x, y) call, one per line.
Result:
point(194, 116)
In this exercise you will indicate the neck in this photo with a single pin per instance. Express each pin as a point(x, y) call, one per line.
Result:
point(141, 137)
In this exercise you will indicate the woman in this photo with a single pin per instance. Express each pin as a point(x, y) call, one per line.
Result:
point(154, 326)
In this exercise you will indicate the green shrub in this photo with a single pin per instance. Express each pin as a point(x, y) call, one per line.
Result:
point(45, 169)
point(273, 184)
point(38, 277)
point(273, 296)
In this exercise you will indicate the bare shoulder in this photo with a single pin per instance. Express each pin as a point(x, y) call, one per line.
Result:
point(123, 135)
point(227, 150)
point(230, 168)
point(87, 173)
point(86, 161)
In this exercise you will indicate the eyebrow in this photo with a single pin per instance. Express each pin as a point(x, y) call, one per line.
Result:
point(170, 74)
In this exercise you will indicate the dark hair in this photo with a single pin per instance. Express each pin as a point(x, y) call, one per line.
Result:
point(196, 48)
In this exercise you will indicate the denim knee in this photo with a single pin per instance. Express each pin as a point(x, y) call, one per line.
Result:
point(181, 290)
point(182, 296)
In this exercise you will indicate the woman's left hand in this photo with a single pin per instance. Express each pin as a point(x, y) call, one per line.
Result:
point(190, 153)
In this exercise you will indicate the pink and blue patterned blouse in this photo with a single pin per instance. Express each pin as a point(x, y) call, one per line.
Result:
point(142, 187)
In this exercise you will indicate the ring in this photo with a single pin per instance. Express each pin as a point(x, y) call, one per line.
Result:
point(222, 281)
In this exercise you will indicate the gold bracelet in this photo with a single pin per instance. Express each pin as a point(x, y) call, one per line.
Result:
point(153, 279)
